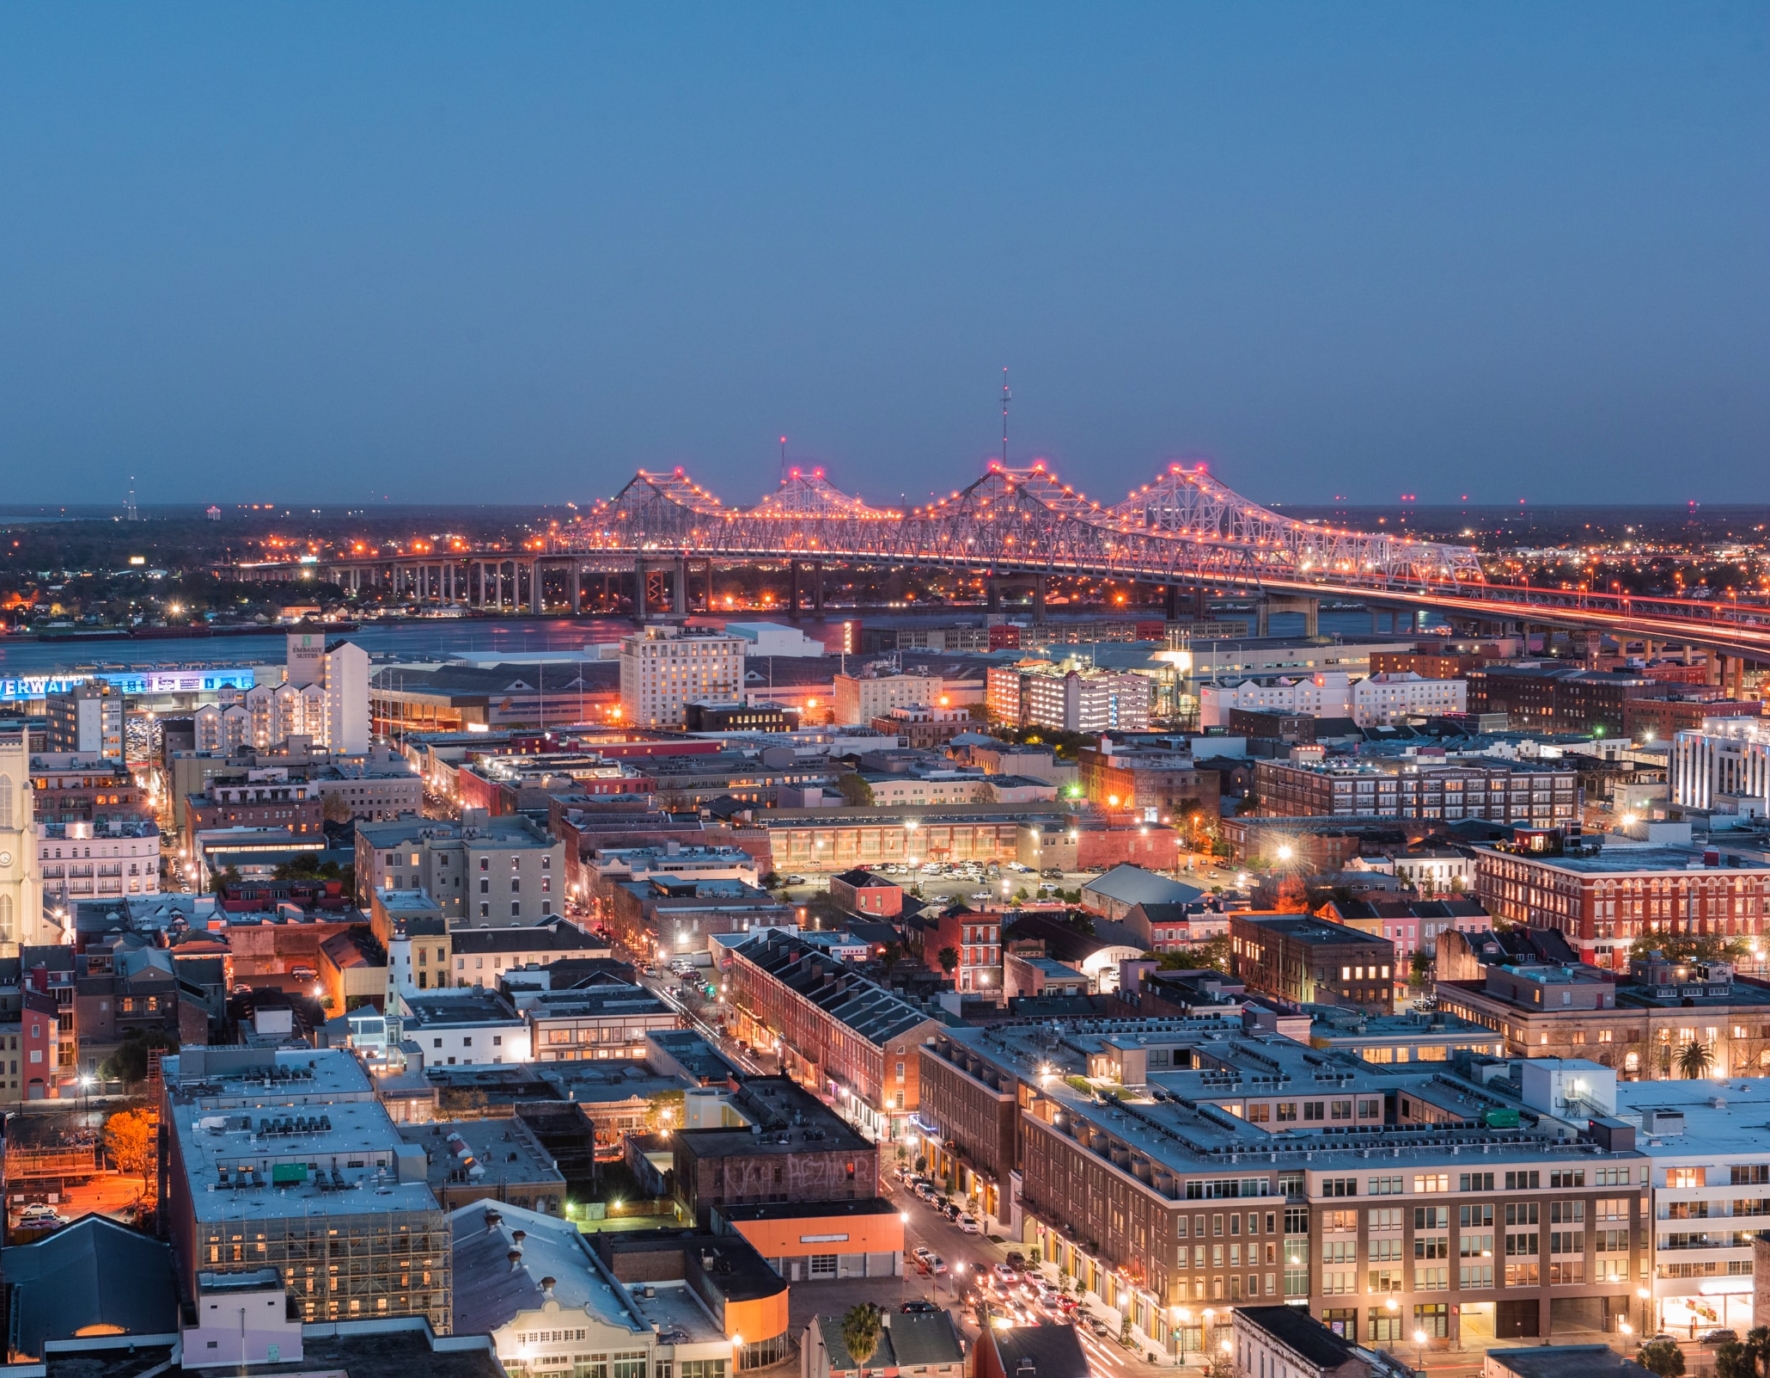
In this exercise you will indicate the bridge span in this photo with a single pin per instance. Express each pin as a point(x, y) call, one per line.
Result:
point(1184, 531)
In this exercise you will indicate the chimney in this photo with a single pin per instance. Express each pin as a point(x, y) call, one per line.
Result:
point(493, 1219)
point(515, 1257)
point(547, 1285)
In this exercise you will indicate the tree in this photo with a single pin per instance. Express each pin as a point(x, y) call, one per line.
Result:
point(860, 1332)
point(1734, 1360)
point(1661, 1357)
point(228, 875)
point(949, 960)
point(335, 809)
point(129, 1063)
point(1421, 962)
point(129, 1142)
point(1219, 1366)
point(855, 791)
point(1695, 1059)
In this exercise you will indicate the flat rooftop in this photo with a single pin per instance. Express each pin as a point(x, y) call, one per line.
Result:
point(1613, 861)
point(1733, 1126)
point(791, 1120)
point(680, 1316)
point(463, 1005)
point(502, 1150)
point(279, 1162)
point(220, 1078)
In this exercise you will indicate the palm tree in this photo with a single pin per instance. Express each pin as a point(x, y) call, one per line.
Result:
point(949, 959)
point(860, 1332)
point(1695, 1059)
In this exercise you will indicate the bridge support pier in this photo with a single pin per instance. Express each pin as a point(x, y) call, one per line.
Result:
point(1309, 607)
point(1198, 598)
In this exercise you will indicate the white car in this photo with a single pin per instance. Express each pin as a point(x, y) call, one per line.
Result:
point(968, 1223)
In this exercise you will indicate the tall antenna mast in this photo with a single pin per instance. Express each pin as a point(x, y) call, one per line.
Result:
point(1006, 398)
point(783, 459)
point(129, 512)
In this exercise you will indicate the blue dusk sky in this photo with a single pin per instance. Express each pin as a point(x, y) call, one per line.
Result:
point(511, 252)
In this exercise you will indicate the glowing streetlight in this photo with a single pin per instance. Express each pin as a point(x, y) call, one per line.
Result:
point(1286, 852)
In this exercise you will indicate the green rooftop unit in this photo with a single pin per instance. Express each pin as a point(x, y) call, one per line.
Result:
point(286, 1174)
point(1506, 1118)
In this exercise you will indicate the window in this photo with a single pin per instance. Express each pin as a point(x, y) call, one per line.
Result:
point(1474, 1217)
point(1561, 1180)
point(1522, 1275)
point(1523, 1181)
point(1340, 1186)
point(1475, 1181)
point(1521, 1213)
point(1684, 1177)
point(1431, 1217)
point(1613, 1177)
point(1385, 1186)
point(1429, 1182)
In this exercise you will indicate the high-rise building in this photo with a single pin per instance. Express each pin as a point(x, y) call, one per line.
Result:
point(87, 720)
point(21, 876)
point(664, 668)
point(1068, 697)
point(323, 697)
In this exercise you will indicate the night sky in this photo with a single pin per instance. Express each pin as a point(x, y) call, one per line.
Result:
point(511, 252)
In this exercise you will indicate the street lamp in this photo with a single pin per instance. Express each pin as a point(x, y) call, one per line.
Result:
point(1420, 1340)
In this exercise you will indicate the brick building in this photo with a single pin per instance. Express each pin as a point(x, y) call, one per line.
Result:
point(791, 1147)
point(1156, 781)
point(1311, 961)
point(862, 892)
point(1608, 902)
point(835, 1030)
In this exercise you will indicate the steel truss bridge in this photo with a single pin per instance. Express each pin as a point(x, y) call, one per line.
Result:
point(1184, 530)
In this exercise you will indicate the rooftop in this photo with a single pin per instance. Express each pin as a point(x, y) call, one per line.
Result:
point(455, 1007)
point(783, 1118)
point(271, 1158)
point(1563, 1361)
point(1130, 884)
point(1300, 928)
point(490, 1291)
point(482, 1152)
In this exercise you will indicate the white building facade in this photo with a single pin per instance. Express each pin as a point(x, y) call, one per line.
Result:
point(664, 668)
point(1724, 765)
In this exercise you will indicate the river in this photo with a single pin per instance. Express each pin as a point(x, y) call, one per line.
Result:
point(443, 637)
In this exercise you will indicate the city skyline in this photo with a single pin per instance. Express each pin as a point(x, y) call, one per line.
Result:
point(1510, 255)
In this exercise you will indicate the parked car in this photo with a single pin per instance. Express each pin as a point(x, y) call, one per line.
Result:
point(934, 1263)
point(1016, 1260)
point(1719, 1336)
point(37, 1215)
point(1098, 1326)
point(921, 1252)
point(968, 1223)
point(303, 973)
point(917, 1308)
point(1004, 1271)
